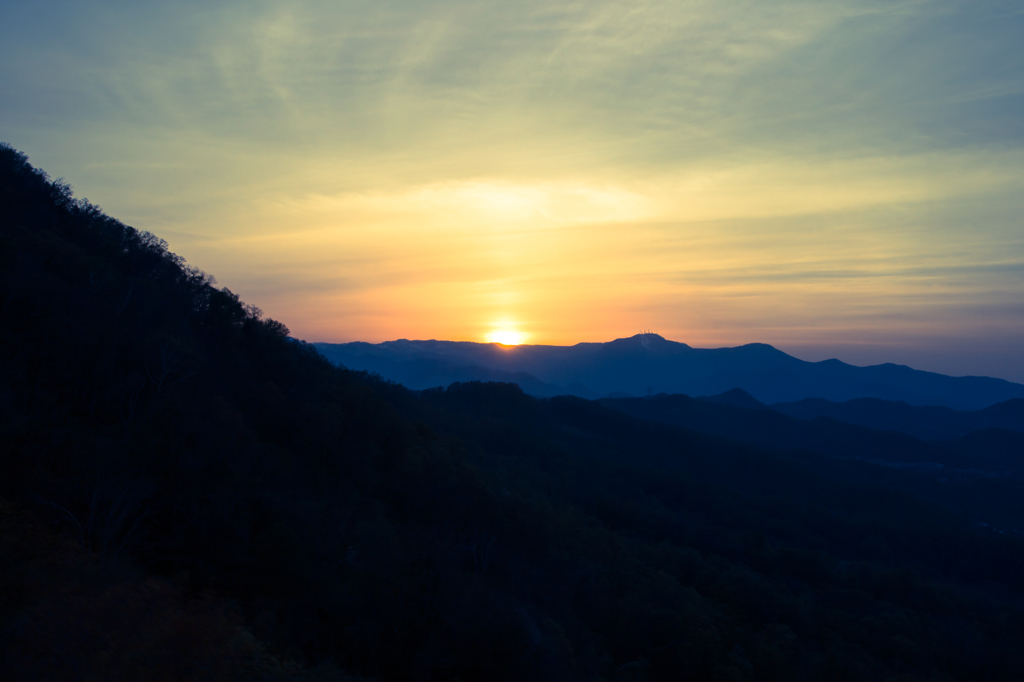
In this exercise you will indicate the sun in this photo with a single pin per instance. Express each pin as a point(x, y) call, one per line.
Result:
point(506, 337)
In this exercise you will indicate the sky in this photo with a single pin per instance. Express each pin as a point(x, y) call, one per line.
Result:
point(838, 179)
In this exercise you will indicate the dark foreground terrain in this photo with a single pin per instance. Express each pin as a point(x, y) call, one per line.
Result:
point(187, 492)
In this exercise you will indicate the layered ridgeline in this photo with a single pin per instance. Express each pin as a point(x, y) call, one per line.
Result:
point(187, 492)
point(925, 422)
point(971, 445)
point(648, 363)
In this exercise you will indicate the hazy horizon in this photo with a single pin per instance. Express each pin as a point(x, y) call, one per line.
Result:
point(835, 179)
point(805, 357)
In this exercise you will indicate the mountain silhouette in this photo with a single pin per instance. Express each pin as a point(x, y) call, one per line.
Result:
point(428, 372)
point(925, 422)
point(737, 397)
point(991, 450)
point(766, 428)
point(648, 363)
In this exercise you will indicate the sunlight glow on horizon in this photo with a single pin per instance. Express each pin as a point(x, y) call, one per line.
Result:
point(506, 337)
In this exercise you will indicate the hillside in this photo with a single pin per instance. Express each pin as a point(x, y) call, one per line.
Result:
point(985, 452)
point(188, 492)
point(928, 423)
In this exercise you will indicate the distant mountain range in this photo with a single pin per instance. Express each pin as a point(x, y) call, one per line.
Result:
point(650, 364)
point(990, 440)
point(924, 422)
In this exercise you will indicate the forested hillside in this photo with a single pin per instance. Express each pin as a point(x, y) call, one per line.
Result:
point(188, 492)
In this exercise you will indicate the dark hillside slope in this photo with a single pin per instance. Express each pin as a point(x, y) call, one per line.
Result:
point(987, 452)
point(925, 422)
point(202, 479)
point(991, 450)
point(766, 428)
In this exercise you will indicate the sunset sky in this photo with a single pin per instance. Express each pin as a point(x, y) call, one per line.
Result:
point(838, 179)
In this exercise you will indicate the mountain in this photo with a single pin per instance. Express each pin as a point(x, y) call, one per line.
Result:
point(925, 422)
point(737, 397)
point(648, 363)
point(428, 372)
point(991, 450)
point(187, 492)
point(765, 428)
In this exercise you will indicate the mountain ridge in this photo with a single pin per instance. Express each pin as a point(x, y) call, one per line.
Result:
point(926, 422)
point(649, 363)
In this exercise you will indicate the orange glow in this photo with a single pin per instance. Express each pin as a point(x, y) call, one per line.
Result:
point(506, 337)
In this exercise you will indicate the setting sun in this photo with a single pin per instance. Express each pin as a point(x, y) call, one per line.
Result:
point(506, 337)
